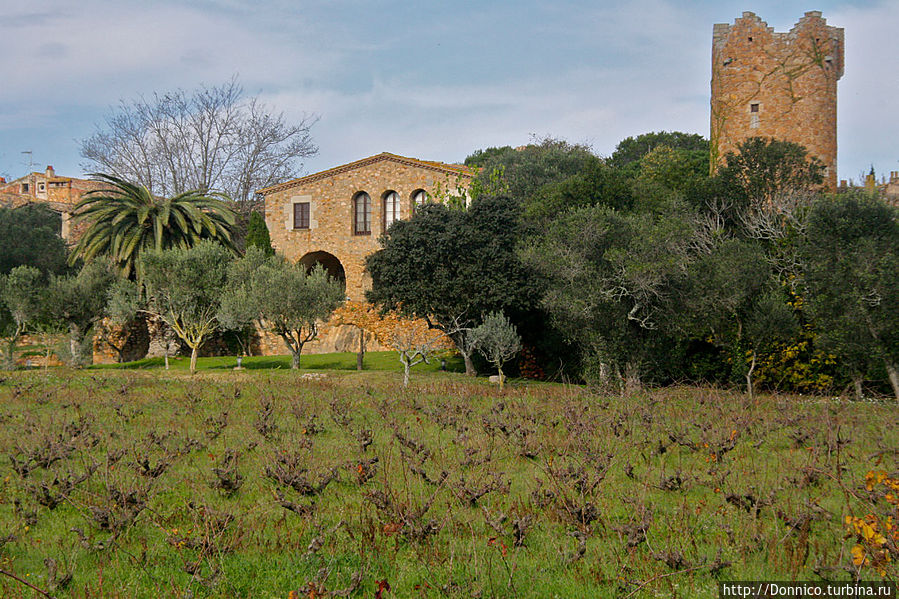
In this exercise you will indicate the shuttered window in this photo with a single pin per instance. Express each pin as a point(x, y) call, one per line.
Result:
point(301, 215)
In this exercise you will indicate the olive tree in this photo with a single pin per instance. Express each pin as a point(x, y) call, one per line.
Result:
point(411, 337)
point(497, 340)
point(184, 288)
point(20, 295)
point(78, 302)
point(281, 297)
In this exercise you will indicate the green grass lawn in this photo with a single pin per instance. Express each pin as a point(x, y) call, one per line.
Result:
point(143, 483)
point(382, 360)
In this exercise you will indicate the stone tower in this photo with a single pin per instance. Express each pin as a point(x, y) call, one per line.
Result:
point(781, 85)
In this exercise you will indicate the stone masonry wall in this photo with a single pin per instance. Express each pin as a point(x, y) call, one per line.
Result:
point(780, 85)
point(331, 194)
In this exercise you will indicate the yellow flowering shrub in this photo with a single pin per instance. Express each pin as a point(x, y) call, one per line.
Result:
point(877, 534)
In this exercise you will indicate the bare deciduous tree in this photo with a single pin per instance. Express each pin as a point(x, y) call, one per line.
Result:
point(211, 139)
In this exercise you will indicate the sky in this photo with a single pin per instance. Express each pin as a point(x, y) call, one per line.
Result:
point(430, 79)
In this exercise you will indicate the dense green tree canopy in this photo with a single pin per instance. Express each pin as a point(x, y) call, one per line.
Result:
point(633, 149)
point(596, 183)
point(29, 236)
point(611, 283)
point(851, 257)
point(527, 169)
point(452, 266)
point(480, 158)
point(732, 296)
point(762, 169)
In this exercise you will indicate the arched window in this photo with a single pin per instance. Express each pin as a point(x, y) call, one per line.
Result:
point(418, 198)
point(391, 208)
point(362, 214)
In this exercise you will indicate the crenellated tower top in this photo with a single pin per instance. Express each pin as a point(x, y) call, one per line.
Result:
point(776, 84)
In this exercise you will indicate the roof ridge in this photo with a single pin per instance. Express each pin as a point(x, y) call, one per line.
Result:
point(433, 165)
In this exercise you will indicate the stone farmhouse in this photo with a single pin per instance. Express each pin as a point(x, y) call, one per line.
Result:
point(60, 194)
point(781, 85)
point(335, 217)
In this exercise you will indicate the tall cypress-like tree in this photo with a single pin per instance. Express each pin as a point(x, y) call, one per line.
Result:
point(257, 234)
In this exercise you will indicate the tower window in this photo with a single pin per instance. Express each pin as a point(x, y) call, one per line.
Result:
point(750, 38)
point(754, 115)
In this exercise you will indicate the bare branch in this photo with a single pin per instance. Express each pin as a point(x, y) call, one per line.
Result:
point(212, 139)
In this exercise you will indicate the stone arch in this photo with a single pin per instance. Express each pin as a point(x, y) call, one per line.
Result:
point(329, 262)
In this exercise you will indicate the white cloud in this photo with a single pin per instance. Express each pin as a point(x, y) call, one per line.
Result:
point(100, 52)
point(436, 81)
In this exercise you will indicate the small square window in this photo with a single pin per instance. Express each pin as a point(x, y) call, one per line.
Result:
point(754, 107)
point(25, 188)
point(301, 215)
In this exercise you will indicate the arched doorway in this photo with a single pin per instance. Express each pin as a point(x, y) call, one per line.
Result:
point(329, 262)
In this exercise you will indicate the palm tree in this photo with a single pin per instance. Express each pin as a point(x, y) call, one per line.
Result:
point(126, 219)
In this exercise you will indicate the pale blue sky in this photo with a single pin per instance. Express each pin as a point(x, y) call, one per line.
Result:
point(435, 80)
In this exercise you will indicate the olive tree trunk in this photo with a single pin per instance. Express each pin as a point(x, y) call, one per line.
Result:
point(893, 374)
point(193, 359)
point(81, 355)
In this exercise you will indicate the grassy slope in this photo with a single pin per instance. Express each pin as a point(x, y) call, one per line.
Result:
point(611, 493)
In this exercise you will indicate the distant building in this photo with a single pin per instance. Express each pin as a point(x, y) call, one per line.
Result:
point(888, 189)
point(891, 188)
point(780, 85)
point(60, 194)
